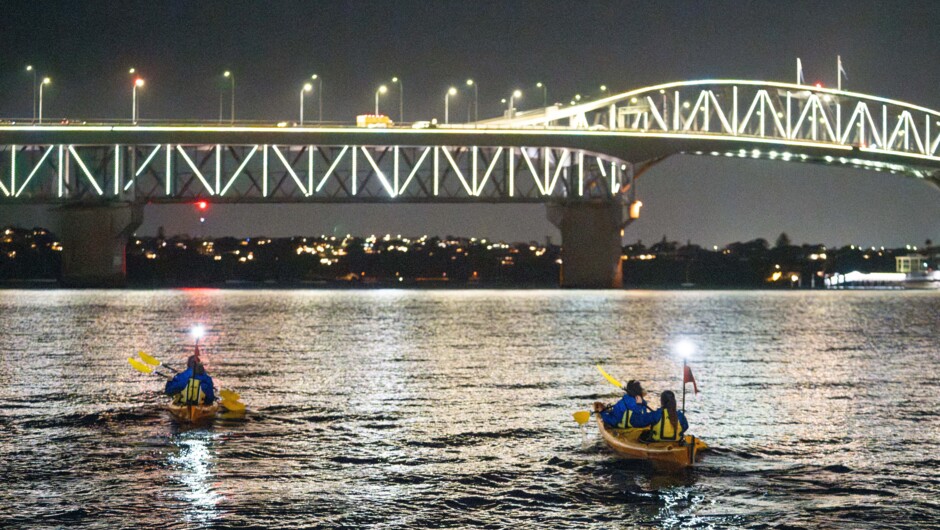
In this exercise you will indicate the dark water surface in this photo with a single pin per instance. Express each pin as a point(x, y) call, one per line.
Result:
point(406, 409)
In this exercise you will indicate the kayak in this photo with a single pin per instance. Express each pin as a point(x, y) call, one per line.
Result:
point(193, 413)
point(626, 442)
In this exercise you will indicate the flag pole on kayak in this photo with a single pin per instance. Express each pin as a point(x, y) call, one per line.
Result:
point(685, 348)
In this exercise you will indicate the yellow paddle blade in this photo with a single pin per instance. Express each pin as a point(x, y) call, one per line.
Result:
point(234, 406)
point(229, 395)
point(148, 359)
point(139, 366)
point(608, 377)
point(582, 417)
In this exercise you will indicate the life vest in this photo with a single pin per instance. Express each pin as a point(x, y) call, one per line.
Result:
point(662, 431)
point(625, 420)
point(192, 394)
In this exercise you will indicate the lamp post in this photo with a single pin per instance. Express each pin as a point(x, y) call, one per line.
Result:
point(307, 88)
point(29, 68)
point(401, 99)
point(45, 81)
point(476, 100)
point(512, 100)
point(134, 111)
point(319, 81)
point(382, 89)
point(604, 91)
point(450, 92)
point(231, 76)
point(544, 93)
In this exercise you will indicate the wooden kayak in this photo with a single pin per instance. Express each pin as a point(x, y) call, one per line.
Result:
point(626, 442)
point(193, 413)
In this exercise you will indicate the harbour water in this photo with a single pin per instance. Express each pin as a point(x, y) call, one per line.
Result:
point(452, 409)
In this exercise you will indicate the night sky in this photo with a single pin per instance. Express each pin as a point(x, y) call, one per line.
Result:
point(889, 49)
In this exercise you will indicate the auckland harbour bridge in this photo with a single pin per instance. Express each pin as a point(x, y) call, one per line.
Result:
point(582, 161)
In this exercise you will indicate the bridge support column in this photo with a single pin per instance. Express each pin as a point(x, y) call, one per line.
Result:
point(591, 235)
point(94, 239)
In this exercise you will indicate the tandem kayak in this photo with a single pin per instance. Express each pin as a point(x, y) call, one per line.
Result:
point(193, 413)
point(626, 442)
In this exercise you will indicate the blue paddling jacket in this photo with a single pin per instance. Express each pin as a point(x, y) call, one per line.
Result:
point(189, 389)
point(627, 413)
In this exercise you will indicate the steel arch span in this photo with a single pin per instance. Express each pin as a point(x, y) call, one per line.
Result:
point(763, 119)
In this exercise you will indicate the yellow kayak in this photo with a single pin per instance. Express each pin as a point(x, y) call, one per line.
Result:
point(193, 413)
point(626, 442)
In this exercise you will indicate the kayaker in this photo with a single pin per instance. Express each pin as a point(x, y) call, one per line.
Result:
point(630, 412)
point(192, 386)
point(668, 424)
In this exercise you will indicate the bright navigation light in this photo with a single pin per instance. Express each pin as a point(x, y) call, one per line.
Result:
point(198, 331)
point(685, 348)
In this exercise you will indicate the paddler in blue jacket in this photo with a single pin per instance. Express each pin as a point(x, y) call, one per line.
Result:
point(630, 412)
point(192, 386)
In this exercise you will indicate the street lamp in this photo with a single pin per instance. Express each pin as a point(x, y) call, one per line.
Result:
point(450, 92)
point(29, 68)
point(45, 81)
point(231, 76)
point(134, 112)
point(401, 99)
point(512, 100)
point(307, 88)
point(382, 89)
point(544, 93)
point(319, 81)
point(476, 100)
point(605, 91)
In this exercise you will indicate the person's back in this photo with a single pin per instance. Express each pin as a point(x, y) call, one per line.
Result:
point(668, 424)
point(191, 387)
point(629, 412)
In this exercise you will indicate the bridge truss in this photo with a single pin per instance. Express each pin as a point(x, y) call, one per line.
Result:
point(306, 173)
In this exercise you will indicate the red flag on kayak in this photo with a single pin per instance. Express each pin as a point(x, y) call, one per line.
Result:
point(687, 378)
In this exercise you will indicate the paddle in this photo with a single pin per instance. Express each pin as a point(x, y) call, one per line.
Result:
point(226, 394)
point(609, 377)
point(232, 405)
point(582, 416)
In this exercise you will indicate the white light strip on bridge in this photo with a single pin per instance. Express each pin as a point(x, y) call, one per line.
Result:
point(332, 168)
point(378, 172)
point(415, 168)
point(457, 171)
point(196, 171)
point(81, 164)
point(238, 171)
point(33, 172)
point(143, 166)
point(291, 171)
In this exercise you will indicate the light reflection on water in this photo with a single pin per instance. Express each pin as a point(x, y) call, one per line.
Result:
point(404, 409)
point(191, 466)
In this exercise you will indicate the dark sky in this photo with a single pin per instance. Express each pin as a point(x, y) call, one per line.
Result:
point(181, 47)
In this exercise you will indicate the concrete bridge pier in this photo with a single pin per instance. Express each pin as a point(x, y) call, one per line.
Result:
point(94, 239)
point(591, 235)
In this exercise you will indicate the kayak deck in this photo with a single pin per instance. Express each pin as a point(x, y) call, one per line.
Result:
point(626, 442)
point(193, 413)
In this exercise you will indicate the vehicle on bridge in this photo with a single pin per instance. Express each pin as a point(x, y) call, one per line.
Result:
point(373, 121)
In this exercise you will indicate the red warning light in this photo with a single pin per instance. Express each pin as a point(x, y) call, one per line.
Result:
point(202, 205)
point(818, 84)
